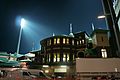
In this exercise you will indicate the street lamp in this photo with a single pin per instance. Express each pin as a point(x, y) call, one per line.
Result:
point(100, 17)
point(22, 24)
point(103, 16)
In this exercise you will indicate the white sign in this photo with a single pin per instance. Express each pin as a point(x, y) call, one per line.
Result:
point(63, 70)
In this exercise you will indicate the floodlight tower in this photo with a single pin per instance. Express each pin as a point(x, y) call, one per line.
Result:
point(22, 24)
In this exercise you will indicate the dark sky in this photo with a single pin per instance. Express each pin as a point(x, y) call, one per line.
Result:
point(43, 18)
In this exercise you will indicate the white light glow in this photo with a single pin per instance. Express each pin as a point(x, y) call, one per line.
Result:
point(116, 70)
point(46, 71)
point(22, 24)
point(103, 16)
point(60, 70)
point(45, 66)
point(63, 66)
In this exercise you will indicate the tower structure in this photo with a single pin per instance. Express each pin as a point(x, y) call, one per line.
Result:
point(71, 33)
point(113, 27)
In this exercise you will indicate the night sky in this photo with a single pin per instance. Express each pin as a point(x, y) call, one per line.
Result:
point(43, 18)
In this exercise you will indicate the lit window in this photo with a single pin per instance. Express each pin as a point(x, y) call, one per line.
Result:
point(63, 40)
point(80, 41)
point(58, 57)
point(49, 57)
point(67, 57)
point(54, 57)
point(72, 42)
point(83, 41)
point(64, 57)
point(104, 53)
point(77, 42)
point(54, 40)
point(67, 41)
point(58, 40)
point(46, 71)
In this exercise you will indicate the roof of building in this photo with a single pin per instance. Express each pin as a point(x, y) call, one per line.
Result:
point(57, 36)
point(80, 32)
point(4, 54)
point(99, 31)
point(71, 35)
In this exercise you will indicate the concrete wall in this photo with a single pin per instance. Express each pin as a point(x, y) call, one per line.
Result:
point(98, 65)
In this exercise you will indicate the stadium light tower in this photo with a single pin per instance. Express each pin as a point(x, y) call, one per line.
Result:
point(22, 24)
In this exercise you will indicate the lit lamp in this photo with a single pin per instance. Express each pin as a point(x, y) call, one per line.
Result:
point(103, 16)
point(22, 24)
point(100, 17)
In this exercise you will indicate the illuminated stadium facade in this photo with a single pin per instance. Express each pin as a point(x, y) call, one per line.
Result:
point(59, 52)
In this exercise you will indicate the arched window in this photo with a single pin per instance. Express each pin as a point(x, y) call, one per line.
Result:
point(64, 57)
point(54, 57)
point(72, 42)
point(58, 57)
point(83, 41)
point(68, 57)
point(63, 40)
point(67, 41)
point(49, 57)
point(77, 42)
point(58, 40)
point(54, 40)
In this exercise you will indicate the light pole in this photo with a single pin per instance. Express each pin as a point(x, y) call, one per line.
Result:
point(22, 24)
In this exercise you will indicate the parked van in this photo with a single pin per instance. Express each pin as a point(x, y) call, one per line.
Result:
point(29, 74)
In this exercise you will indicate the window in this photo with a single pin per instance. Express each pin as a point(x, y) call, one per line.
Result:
point(77, 42)
point(54, 57)
point(58, 40)
point(54, 40)
point(83, 41)
point(64, 57)
point(63, 40)
point(49, 57)
point(68, 57)
point(58, 57)
point(67, 41)
point(80, 41)
point(72, 42)
point(104, 53)
point(26, 73)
